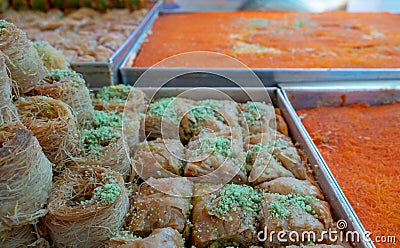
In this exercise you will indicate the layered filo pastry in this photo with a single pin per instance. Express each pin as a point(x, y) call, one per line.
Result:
point(226, 217)
point(216, 158)
point(159, 159)
point(209, 116)
point(160, 237)
point(161, 203)
point(216, 173)
point(163, 117)
point(258, 117)
point(271, 155)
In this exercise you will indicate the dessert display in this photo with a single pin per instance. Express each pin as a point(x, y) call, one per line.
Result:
point(99, 169)
point(112, 167)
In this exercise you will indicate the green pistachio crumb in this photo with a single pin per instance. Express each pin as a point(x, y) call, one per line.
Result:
point(202, 113)
point(254, 111)
point(224, 244)
point(107, 193)
point(115, 93)
point(110, 119)
point(164, 107)
point(74, 78)
point(95, 139)
point(279, 208)
point(220, 144)
point(233, 196)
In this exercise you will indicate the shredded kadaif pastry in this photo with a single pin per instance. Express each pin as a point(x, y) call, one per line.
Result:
point(25, 178)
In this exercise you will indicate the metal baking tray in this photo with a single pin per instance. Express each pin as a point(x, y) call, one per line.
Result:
point(341, 209)
point(98, 74)
point(207, 77)
point(308, 95)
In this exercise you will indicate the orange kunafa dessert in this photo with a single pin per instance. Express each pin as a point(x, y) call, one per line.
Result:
point(360, 144)
point(279, 39)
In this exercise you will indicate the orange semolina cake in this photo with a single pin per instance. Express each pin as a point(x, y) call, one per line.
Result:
point(360, 144)
point(279, 39)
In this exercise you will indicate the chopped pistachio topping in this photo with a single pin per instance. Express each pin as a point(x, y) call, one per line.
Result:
point(126, 235)
point(159, 107)
point(95, 139)
point(233, 197)
point(110, 119)
point(211, 105)
point(162, 108)
point(40, 46)
point(250, 153)
point(220, 144)
point(254, 111)
point(74, 78)
point(268, 147)
point(202, 113)
point(5, 24)
point(107, 193)
point(116, 93)
point(279, 208)
point(223, 145)
point(58, 74)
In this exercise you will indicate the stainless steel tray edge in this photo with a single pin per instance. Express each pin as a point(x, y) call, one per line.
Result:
point(270, 77)
point(311, 94)
point(96, 74)
point(123, 51)
point(135, 46)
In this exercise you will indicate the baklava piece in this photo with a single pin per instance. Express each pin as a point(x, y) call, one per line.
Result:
point(216, 158)
point(163, 117)
point(295, 213)
point(159, 203)
point(159, 159)
point(227, 216)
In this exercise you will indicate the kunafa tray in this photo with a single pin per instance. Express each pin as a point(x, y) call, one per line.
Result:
point(279, 47)
point(341, 209)
point(348, 125)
